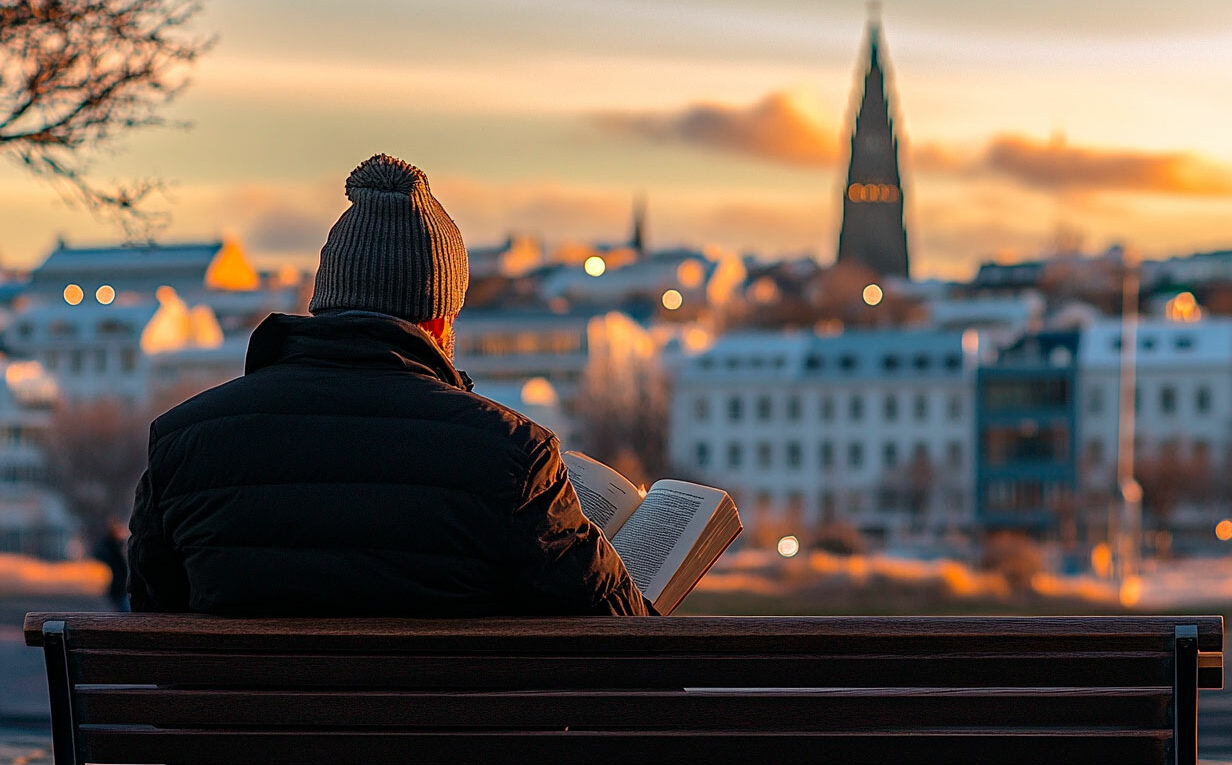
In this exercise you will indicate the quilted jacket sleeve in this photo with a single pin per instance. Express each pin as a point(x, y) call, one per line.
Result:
point(564, 564)
point(156, 577)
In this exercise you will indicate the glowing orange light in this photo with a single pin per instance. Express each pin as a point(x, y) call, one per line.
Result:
point(73, 294)
point(855, 192)
point(672, 299)
point(873, 294)
point(1101, 560)
point(105, 294)
point(788, 546)
point(690, 273)
point(1131, 591)
point(1223, 530)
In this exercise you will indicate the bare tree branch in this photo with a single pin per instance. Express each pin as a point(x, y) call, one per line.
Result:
point(77, 74)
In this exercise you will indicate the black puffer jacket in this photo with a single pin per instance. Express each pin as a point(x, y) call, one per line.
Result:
point(351, 471)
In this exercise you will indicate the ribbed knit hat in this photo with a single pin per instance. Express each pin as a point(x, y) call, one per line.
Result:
point(395, 250)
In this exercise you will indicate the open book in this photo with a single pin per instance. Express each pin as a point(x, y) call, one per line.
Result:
point(668, 537)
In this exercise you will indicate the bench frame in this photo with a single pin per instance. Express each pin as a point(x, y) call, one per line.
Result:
point(1192, 668)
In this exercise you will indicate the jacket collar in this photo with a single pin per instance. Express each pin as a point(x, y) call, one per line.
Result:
point(350, 339)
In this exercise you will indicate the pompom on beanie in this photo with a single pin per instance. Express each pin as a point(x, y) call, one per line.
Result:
point(394, 250)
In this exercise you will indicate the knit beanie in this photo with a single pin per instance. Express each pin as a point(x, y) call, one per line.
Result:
point(394, 250)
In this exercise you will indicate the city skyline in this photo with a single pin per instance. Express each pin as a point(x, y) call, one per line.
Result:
point(730, 117)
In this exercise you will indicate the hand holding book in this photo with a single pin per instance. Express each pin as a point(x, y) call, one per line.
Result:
point(668, 536)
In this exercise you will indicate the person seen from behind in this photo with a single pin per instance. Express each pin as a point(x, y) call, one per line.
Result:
point(351, 470)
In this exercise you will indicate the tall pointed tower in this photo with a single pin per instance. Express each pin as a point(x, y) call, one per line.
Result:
point(873, 233)
point(637, 236)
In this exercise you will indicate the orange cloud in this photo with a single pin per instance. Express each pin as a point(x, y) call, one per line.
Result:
point(1056, 165)
point(775, 128)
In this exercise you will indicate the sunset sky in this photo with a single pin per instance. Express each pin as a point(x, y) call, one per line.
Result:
point(548, 116)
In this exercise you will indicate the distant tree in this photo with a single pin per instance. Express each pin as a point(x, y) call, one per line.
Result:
point(96, 452)
point(1015, 556)
point(75, 74)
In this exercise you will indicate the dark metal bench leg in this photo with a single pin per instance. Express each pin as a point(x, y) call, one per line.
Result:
point(60, 689)
point(1184, 696)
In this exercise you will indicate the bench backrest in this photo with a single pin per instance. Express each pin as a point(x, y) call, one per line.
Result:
point(179, 688)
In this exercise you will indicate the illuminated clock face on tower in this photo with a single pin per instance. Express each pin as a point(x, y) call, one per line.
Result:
point(872, 192)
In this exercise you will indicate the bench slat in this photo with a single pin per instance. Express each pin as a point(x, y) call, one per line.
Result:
point(736, 634)
point(1005, 747)
point(828, 709)
point(248, 670)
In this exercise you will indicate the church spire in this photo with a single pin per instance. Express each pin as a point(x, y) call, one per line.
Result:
point(637, 237)
point(872, 232)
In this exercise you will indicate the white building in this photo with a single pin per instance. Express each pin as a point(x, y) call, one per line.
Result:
point(34, 520)
point(870, 428)
point(132, 352)
point(217, 274)
point(1183, 419)
point(512, 347)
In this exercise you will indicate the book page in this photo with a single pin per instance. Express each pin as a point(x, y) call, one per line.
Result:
point(655, 540)
point(607, 497)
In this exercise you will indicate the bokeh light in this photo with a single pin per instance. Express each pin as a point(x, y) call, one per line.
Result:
point(105, 294)
point(873, 294)
point(595, 265)
point(73, 294)
point(788, 546)
point(1223, 530)
point(672, 300)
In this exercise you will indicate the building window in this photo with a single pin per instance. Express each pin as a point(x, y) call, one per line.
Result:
point(921, 407)
point(827, 506)
point(793, 454)
point(922, 362)
point(827, 408)
point(793, 408)
point(954, 408)
point(52, 361)
point(1095, 400)
point(703, 454)
point(855, 454)
point(891, 407)
point(847, 362)
point(953, 362)
point(1095, 452)
point(735, 408)
point(100, 360)
point(128, 359)
point(763, 455)
point(889, 454)
point(76, 361)
point(1203, 399)
point(890, 363)
point(954, 454)
point(1167, 399)
point(701, 409)
point(763, 408)
point(1201, 453)
point(734, 455)
point(826, 454)
point(856, 408)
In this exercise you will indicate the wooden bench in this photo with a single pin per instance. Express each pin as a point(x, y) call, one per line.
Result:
point(129, 688)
